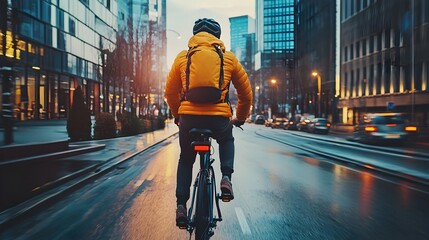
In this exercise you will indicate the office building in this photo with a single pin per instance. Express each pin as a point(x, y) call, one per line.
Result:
point(242, 31)
point(384, 59)
point(274, 60)
point(315, 54)
point(52, 47)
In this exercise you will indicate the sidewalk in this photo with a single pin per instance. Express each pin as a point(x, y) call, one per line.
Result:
point(63, 174)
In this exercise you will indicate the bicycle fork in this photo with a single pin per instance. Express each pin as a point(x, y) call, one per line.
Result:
point(211, 184)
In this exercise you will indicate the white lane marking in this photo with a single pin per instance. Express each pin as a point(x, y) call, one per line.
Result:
point(242, 220)
point(139, 183)
point(150, 178)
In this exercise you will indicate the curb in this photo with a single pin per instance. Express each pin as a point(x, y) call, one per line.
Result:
point(408, 177)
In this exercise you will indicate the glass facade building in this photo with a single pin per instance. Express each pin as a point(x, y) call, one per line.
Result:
point(54, 46)
point(276, 46)
point(240, 28)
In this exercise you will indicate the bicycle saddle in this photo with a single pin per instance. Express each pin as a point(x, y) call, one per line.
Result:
point(200, 131)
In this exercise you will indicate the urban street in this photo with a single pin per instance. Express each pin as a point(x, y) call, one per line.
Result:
point(286, 187)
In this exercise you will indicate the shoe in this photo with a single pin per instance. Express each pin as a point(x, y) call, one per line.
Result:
point(181, 217)
point(226, 189)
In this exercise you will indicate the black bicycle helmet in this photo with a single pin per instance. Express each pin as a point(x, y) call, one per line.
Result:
point(207, 25)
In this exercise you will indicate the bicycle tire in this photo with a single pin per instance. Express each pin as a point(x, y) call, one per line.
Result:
point(202, 211)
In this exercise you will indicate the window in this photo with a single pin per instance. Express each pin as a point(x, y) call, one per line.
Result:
point(72, 27)
point(357, 49)
point(371, 44)
point(85, 2)
point(363, 47)
point(345, 54)
point(387, 38)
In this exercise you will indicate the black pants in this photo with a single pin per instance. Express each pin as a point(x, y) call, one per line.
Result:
point(222, 132)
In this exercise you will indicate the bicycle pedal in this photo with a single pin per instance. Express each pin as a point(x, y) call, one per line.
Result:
point(182, 224)
point(226, 197)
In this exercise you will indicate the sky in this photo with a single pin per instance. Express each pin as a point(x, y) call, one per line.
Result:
point(182, 14)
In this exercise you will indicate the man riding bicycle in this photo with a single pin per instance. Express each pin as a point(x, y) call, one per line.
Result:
point(215, 116)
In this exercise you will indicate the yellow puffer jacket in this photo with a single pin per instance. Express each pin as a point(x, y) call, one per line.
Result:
point(233, 71)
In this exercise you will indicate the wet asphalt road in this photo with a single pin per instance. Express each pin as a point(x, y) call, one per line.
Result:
point(280, 193)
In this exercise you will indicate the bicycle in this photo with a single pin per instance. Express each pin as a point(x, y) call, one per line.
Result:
point(203, 220)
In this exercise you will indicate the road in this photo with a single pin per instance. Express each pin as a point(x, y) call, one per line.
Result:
point(281, 192)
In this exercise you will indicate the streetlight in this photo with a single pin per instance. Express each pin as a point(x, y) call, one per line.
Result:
point(319, 90)
point(274, 100)
point(178, 34)
point(273, 81)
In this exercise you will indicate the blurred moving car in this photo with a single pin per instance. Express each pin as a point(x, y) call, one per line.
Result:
point(384, 127)
point(251, 118)
point(279, 122)
point(319, 125)
point(302, 125)
point(269, 122)
point(260, 119)
point(292, 123)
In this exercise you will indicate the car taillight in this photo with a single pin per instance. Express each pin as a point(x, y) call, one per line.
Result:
point(411, 129)
point(371, 129)
point(328, 124)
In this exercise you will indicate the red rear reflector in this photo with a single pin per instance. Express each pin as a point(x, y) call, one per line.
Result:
point(410, 128)
point(391, 125)
point(370, 129)
point(201, 148)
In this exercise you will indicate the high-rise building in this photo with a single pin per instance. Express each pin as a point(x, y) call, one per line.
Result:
point(241, 28)
point(52, 47)
point(315, 54)
point(242, 31)
point(384, 59)
point(274, 61)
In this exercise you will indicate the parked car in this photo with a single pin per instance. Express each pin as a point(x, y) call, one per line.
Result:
point(302, 125)
point(292, 123)
point(279, 123)
point(260, 119)
point(384, 127)
point(319, 125)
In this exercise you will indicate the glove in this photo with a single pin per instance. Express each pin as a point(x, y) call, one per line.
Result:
point(237, 122)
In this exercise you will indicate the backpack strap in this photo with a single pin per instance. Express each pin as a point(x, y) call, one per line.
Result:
point(191, 52)
point(219, 52)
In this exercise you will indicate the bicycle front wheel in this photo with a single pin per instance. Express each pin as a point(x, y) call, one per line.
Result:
point(202, 208)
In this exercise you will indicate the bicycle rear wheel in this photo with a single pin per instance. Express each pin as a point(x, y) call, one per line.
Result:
point(202, 211)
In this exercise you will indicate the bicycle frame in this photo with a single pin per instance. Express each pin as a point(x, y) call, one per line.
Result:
point(204, 187)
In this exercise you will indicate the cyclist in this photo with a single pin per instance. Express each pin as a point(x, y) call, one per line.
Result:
point(214, 116)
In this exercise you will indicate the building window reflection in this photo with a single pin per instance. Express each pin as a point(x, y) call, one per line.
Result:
point(64, 96)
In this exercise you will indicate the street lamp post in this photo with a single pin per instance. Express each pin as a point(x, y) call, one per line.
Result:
point(274, 98)
point(319, 91)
